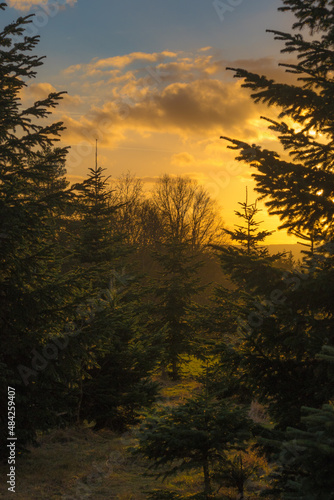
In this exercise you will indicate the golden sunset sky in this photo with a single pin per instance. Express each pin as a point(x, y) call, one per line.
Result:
point(148, 80)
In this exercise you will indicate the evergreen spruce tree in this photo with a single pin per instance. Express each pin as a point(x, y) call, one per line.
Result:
point(248, 236)
point(37, 297)
point(239, 469)
point(305, 454)
point(249, 268)
point(306, 457)
point(97, 248)
point(116, 383)
point(291, 317)
point(171, 306)
point(247, 263)
point(113, 381)
point(194, 435)
point(301, 190)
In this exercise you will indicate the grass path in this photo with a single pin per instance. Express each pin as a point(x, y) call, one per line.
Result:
point(78, 463)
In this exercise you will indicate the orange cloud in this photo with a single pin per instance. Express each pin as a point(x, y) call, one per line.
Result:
point(202, 108)
point(164, 112)
point(39, 91)
point(122, 61)
point(181, 159)
point(119, 61)
point(180, 92)
point(171, 112)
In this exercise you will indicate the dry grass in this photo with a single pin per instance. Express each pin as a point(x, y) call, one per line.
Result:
point(76, 464)
point(80, 464)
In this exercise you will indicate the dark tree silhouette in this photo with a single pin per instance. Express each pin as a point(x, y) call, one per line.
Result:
point(290, 315)
point(37, 298)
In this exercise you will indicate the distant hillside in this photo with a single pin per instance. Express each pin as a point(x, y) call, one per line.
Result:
point(295, 249)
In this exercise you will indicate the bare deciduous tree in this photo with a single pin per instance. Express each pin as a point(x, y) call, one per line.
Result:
point(128, 195)
point(188, 214)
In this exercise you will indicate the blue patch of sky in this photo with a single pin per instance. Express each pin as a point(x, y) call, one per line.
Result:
point(106, 28)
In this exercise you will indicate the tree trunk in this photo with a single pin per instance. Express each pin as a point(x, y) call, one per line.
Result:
point(78, 419)
point(207, 482)
point(241, 493)
point(175, 370)
point(164, 375)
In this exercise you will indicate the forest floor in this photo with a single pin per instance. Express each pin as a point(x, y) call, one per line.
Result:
point(78, 463)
